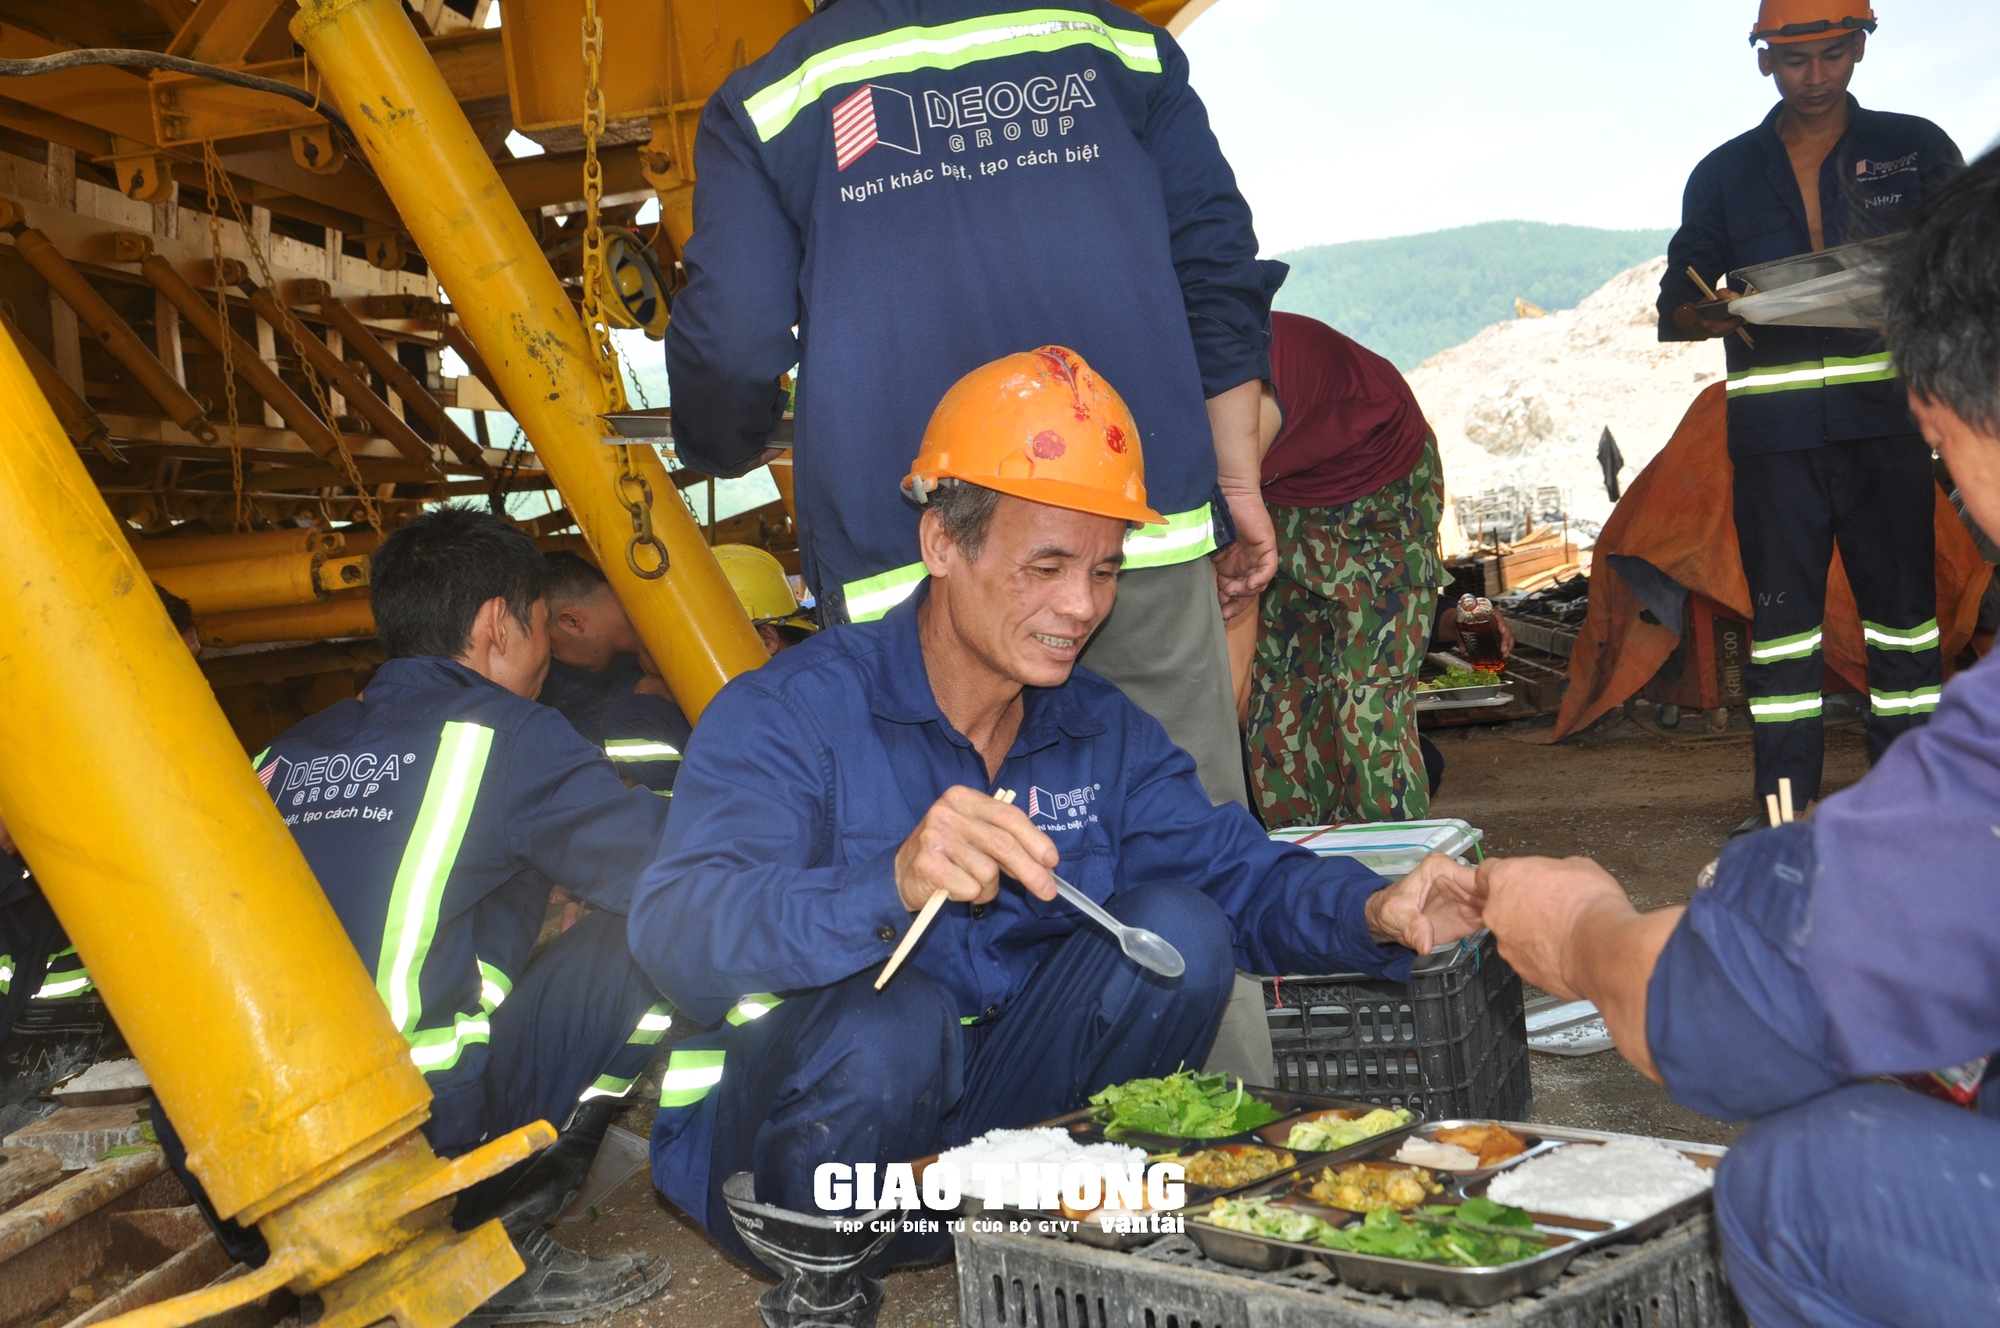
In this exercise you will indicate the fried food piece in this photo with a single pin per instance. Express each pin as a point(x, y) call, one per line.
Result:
point(1494, 1143)
point(1361, 1188)
point(1224, 1167)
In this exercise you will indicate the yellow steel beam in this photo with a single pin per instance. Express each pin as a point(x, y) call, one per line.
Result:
point(341, 616)
point(185, 550)
point(230, 32)
point(503, 291)
point(227, 971)
point(247, 583)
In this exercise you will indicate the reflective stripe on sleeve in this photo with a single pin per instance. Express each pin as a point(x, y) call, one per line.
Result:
point(6, 973)
point(946, 46)
point(1785, 647)
point(754, 1006)
point(426, 868)
point(434, 1049)
point(653, 1026)
point(62, 979)
point(1784, 709)
point(1184, 537)
point(1924, 636)
point(689, 1076)
point(1921, 701)
point(640, 749)
point(872, 596)
point(494, 987)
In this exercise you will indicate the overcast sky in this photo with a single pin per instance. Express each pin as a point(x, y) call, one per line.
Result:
point(1348, 120)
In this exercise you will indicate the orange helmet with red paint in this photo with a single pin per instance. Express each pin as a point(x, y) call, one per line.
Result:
point(1780, 21)
point(1039, 425)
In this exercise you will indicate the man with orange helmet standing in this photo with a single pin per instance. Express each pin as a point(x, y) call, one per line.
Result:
point(902, 190)
point(1820, 436)
point(829, 796)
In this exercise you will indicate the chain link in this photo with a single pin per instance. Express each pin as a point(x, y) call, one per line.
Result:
point(210, 167)
point(603, 353)
point(293, 333)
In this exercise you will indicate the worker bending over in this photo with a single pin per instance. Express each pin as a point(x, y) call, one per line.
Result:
point(903, 190)
point(1820, 435)
point(437, 810)
point(765, 592)
point(829, 794)
point(1859, 944)
point(604, 681)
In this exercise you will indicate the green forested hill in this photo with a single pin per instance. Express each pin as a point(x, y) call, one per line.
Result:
point(1412, 296)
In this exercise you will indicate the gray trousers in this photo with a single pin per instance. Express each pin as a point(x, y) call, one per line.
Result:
point(1163, 646)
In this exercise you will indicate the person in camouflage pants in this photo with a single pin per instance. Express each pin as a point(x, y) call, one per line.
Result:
point(1332, 731)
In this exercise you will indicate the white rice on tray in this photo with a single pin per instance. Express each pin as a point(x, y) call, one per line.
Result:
point(1013, 1147)
point(1623, 1180)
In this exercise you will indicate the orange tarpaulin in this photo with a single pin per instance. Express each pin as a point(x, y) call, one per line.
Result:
point(1676, 515)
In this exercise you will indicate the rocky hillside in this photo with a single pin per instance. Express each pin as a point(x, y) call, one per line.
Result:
point(1522, 404)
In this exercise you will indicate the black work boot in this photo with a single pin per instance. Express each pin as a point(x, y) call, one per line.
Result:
point(563, 1286)
point(555, 1175)
point(820, 1260)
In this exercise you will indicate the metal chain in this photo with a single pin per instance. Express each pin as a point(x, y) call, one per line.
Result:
point(293, 333)
point(210, 167)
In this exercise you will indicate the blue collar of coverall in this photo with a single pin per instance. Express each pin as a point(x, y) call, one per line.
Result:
point(900, 688)
point(426, 673)
point(1778, 160)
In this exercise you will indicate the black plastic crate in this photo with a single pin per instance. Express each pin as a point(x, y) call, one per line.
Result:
point(1452, 1043)
point(1674, 1280)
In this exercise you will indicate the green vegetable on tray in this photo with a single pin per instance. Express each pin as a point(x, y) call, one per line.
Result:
point(1259, 1217)
point(1475, 1234)
point(1330, 1132)
point(1451, 678)
point(1184, 1105)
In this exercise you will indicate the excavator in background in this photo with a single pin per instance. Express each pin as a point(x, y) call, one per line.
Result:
point(242, 238)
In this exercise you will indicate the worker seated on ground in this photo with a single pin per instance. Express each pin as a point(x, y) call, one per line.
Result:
point(1863, 943)
point(37, 962)
point(437, 809)
point(760, 583)
point(603, 680)
point(828, 795)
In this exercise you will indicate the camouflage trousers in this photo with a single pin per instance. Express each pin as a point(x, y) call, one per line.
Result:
point(1332, 730)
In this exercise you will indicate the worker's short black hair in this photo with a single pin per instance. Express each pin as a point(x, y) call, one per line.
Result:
point(570, 579)
point(966, 513)
point(179, 611)
point(429, 577)
point(1944, 298)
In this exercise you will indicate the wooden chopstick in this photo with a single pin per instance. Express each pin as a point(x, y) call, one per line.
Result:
point(1771, 809)
point(924, 916)
point(1785, 800)
point(1709, 291)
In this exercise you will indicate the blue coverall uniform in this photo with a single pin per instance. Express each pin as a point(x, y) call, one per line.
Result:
point(1820, 436)
point(1863, 943)
point(773, 905)
point(919, 187)
point(37, 962)
point(643, 735)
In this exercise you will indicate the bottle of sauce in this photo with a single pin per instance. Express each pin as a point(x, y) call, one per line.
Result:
point(1479, 634)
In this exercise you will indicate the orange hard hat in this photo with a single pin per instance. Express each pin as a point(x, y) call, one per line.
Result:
point(1780, 21)
point(1039, 425)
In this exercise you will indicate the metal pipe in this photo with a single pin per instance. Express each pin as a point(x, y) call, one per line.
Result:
point(83, 425)
point(360, 396)
point(402, 382)
point(249, 583)
point(249, 365)
point(342, 616)
point(227, 971)
point(182, 550)
point(425, 153)
point(115, 334)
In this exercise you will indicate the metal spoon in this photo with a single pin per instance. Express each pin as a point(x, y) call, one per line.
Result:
point(1147, 949)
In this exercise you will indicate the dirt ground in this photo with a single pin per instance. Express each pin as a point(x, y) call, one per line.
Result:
point(1652, 806)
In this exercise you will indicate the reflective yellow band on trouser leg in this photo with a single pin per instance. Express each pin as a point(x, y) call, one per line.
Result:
point(1786, 647)
point(630, 1061)
point(1784, 709)
point(1924, 636)
point(494, 987)
point(690, 1075)
point(66, 977)
point(1181, 538)
point(1920, 701)
point(754, 1006)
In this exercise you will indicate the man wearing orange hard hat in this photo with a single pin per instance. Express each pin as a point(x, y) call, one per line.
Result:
point(953, 748)
point(1821, 441)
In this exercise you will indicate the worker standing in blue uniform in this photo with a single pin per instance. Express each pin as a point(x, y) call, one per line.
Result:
point(1863, 943)
point(438, 810)
point(1820, 435)
point(604, 682)
point(903, 190)
point(829, 794)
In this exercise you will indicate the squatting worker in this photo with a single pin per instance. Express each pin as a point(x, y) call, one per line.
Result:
point(921, 186)
point(1351, 478)
point(437, 809)
point(603, 680)
point(1862, 943)
point(829, 793)
point(1820, 434)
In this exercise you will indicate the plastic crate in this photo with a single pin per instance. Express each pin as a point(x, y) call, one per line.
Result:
point(1675, 1280)
point(1452, 1043)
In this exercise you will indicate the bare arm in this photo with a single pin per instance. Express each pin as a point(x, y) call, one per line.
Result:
point(1244, 568)
point(1567, 927)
